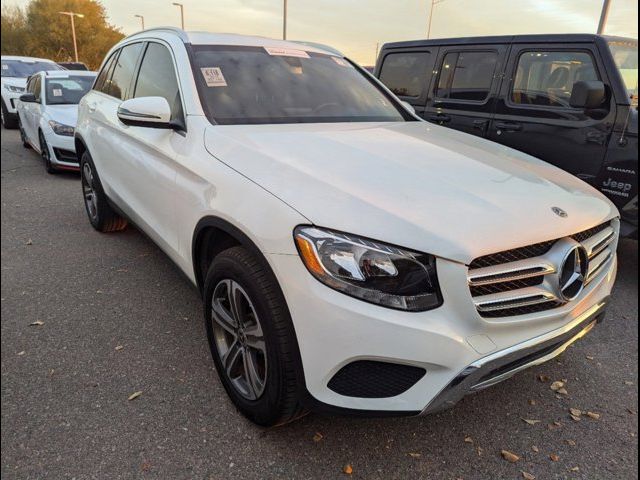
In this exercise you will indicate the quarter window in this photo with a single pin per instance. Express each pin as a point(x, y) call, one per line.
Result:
point(466, 76)
point(157, 78)
point(405, 74)
point(104, 74)
point(122, 77)
point(547, 78)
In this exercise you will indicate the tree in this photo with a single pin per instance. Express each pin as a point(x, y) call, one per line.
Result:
point(40, 31)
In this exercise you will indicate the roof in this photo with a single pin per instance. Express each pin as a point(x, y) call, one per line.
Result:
point(210, 38)
point(66, 73)
point(26, 59)
point(546, 38)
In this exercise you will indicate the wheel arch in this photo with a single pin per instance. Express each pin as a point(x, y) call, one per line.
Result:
point(80, 146)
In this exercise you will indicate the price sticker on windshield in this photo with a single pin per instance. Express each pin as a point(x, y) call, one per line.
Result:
point(286, 52)
point(5, 66)
point(213, 77)
point(57, 92)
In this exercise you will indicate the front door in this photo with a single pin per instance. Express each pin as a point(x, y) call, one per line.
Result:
point(466, 83)
point(534, 115)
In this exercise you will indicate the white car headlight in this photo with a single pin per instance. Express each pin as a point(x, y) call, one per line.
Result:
point(61, 129)
point(13, 88)
point(369, 270)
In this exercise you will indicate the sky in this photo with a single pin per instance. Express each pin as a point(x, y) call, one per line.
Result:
point(356, 27)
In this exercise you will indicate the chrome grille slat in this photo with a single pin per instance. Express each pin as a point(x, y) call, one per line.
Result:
point(524, 280)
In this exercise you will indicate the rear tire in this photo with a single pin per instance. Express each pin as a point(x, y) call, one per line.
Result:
point(260, 327)
point(9, 120)
point(101, 216)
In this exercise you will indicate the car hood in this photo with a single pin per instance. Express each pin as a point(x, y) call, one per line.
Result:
point(14, 81)
point(65, 114)
point(412, 184)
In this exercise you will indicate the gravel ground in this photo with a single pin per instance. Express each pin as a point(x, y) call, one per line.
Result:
point(65, 383)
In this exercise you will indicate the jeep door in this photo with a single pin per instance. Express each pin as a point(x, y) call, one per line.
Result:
point(534, 115)
point(465, 86)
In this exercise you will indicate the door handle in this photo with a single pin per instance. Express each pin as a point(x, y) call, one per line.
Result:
point(508, 126)
point(480, 124)
point(91, 107)
point(440, 118)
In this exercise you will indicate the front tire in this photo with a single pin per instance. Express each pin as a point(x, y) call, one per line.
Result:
point(23, 135)
point(46, 154)
point(101, 216)
point(252, 339)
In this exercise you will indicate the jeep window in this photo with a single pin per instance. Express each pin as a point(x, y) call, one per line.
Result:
point(405, 74)
point(67, 91)
point(101, 81)
point(26, 68)
point(466, 76)
point(121, 79)
point(546, 78)
point(157, 78)
point(625, 54)
point(250, 85)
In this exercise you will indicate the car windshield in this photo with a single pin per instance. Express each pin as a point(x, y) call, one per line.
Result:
point(625, 54)
point(67, 90)
point(256, 85)
point(25, 68)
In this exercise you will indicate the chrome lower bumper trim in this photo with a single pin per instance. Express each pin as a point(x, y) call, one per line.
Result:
point(504, 364)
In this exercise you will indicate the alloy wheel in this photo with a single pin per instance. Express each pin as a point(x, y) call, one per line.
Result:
point(239, 339)
point(88, 190)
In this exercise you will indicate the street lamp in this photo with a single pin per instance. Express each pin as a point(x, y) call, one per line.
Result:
point(181, 13)
point(284, 21)
point(72, 15)
point(141, 20)
point(433, 4)
point(603, 16)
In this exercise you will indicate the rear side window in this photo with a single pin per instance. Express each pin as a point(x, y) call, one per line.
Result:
point(157, 78)
point(105, 73)
point(122, 77)
point(547, 78)
point(466, 76)
point(405, 74)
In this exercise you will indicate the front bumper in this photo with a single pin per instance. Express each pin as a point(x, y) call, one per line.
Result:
point(63, 151)
point(11, 101)
point(451, 343)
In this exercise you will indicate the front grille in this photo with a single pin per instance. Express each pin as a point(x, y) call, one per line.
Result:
point(518, 281)
point(65, 155)
point(372, 379)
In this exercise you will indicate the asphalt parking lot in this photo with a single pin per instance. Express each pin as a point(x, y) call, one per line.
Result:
point(88, 319)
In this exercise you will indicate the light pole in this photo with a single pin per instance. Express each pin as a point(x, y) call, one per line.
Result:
point(181, 13)
point(141, 20)
point(284, 21)
point(72, 15)
point(603, 16)
point(433, 4)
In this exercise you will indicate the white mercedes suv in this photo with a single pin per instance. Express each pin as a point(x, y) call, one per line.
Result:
point(350, 256)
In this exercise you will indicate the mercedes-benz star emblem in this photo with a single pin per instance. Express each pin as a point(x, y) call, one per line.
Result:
point(560, 212)
point(573, 273)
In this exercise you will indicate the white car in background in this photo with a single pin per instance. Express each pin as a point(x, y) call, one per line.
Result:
point(47, 115)
point(15, 71)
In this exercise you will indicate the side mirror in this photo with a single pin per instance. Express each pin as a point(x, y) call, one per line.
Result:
point(408, 106)
point(588, 95)
point(150, 112)
point(28, 98)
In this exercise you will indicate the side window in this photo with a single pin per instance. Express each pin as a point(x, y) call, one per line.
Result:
point(466, 76)
point(547, 78)
point(157, 78)
point(31, 84)
point(123, 70)
point(405, 74)
point(37, 87)
point(101, 80)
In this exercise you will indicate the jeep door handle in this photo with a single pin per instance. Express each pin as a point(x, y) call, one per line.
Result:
point(440, 118)
point(508, 127)
point(480, 124)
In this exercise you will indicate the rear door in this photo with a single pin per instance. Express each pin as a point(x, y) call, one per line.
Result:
point(407, 73)
point(466, 85)
point(533, 114)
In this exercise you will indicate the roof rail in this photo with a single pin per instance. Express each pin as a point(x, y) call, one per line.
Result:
point(178, 31)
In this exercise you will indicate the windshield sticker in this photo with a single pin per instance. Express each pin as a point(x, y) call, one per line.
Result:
point(213, 77)
point(57, 92)
point(5, 66)
point(286, 52)
point(341, 61)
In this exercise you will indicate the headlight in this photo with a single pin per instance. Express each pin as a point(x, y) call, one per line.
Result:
point(13, 88)
point(371, 271)
point(61, 129)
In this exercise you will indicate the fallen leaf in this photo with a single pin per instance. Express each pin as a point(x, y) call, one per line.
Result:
point(628, 383)
point(563, 391)
point(29, 242)
point(468, 440)
point(593, 415)
point(21, 353)
point(480, 451)
point(535, 449)
point(575, 469)
point(317, 437)
point(543, 378)
point(571, 443)
point(348, 469)
point(119, 347)
point(575, 418)
point(510, 456)
point(557, 385)
point(415, 455)
point(530, 422)
point(37, 323)
point(576, 412)
point(532, 402)
point(554, 457)
point(134, 395)
point(631, 411)
point(589, 357)
point(528, 476)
